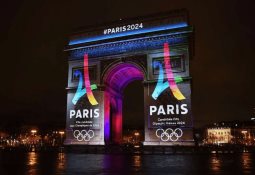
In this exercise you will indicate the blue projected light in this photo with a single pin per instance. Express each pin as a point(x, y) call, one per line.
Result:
point(127, 46)
point(80, 92)
point(133, 32)
point(161, 86)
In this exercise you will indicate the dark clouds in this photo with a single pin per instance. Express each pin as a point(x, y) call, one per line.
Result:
point(34, 67)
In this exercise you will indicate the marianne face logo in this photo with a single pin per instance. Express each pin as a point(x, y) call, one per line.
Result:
point(171, 80)
point(84, 86)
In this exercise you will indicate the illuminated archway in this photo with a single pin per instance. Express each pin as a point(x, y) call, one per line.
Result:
point(115, 80)
point(113, 56)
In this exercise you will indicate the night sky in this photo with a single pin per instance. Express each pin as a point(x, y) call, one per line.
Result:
point(34, 67)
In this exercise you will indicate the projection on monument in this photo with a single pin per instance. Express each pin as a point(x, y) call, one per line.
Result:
point(85, 119)
point(104, 60)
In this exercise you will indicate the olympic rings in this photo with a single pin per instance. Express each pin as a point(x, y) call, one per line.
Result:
point(169, 134)
point(83, 135)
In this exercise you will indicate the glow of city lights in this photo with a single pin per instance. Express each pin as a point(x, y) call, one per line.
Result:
point(244, 132)
point(137, 134)
point(61, 132)
point(33, 131)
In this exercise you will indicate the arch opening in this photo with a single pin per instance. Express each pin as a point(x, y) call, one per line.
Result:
point(115, 80)
point(133, 113)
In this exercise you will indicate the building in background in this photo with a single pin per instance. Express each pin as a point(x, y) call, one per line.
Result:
point(218, 135)
point(232, 132)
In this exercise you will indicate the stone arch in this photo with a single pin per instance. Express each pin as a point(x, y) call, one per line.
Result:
point(116, 78)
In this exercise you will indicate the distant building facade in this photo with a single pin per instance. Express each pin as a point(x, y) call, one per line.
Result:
point(219, 135)
point(233, 132)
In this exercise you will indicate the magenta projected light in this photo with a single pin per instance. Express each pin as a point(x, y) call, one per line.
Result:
point(116, 80)
point(170, 76)
point(90, 95)
point(122, 75)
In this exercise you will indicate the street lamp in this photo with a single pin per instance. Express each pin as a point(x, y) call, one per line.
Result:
point(33, 131)
point(61, 136)
point(136, 135)
point(244, 132)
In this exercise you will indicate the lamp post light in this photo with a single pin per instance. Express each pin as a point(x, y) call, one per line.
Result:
point(61, 136)
point(136, 135)
point(244, 132)
point(33, 131)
